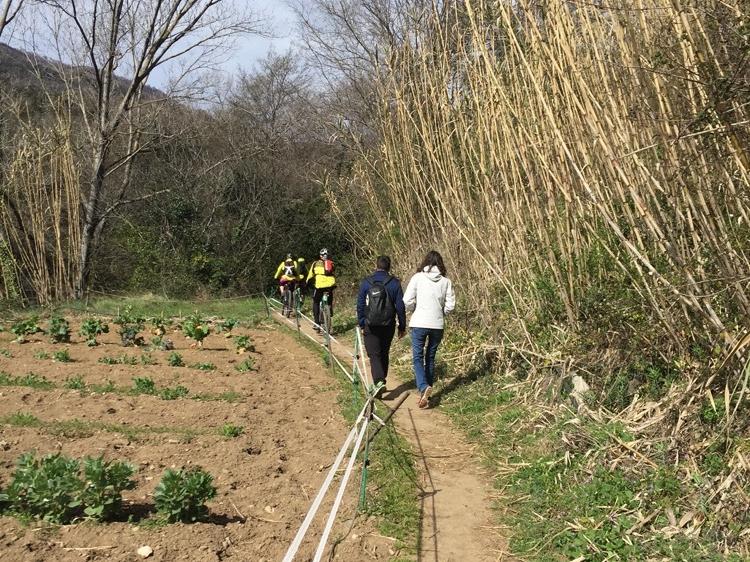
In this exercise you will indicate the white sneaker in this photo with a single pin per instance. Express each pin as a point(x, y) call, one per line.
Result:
point(424, 400)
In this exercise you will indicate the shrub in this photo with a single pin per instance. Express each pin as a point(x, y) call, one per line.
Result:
point(227, 326)
point(59, 330)
point(75, 383)
point(25, 328)
point(196, 329)
point(230, 430)
point(104, 482)
point(144, 385)
point(147, 359)
point(91, 328)
point(181, 495)
point(47, 488)
point(62, 356)
point(242, 344)
point(175, 360)
point(160, 324)
point(203, 366)
point(161, 343)
point(130, 324)
point(173, 393)
point(247, 365)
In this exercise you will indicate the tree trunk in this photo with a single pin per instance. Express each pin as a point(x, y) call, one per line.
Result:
point(91, 219)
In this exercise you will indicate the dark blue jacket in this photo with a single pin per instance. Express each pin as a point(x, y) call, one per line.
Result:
point(393, 287)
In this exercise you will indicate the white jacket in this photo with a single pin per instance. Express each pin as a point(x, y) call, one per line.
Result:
point(431, 297)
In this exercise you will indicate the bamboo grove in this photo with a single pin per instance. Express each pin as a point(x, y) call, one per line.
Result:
point(582, 165)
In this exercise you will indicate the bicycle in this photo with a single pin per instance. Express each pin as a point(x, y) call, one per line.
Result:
point(290, 301)
point(325, 314)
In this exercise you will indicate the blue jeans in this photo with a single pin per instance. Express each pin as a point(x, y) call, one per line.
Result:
point(424, 344)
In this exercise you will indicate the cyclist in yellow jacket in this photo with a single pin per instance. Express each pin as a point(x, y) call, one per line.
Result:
point(322, 279)
point(286, 273)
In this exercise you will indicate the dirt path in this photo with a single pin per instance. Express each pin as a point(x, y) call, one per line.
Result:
point(456, 521)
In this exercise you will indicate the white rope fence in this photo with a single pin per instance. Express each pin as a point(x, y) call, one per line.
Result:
point(363, 418)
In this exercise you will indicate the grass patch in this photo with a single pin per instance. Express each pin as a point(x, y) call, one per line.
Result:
point(31, 380)
point(247, 311)
point(77, 428)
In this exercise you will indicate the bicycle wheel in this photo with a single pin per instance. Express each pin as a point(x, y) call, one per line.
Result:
point(325, 314)
point(287, 303)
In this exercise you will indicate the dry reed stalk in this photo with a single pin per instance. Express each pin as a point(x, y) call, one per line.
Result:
point(40, 213)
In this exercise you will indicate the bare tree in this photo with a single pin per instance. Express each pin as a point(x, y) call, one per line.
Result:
point(116, 47)
point(8, 13)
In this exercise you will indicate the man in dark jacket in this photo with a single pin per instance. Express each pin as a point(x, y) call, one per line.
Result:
point(379, 304)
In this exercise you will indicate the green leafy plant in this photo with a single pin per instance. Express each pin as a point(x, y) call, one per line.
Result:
point(161, 343)
point(104, 482)
point(160, 324)
point(59, 330)
point(120, 360)
point(147, 359)
point(243, 344)
point(41, 355)
point(712, 411)
point(31, 380)
point(25, 328)
point(226, 326)
point(108, 386)
point(62, 356)
point(196, 329)
point(173, 393)
point(144, 385)
point(230, 431)
point(175, 360)
point(181, 495)
point(47, 488)
point(247, 365)
point(91, 328)
point(75, 383)
point(203, 366)
point(130, 324)
point(6, 353)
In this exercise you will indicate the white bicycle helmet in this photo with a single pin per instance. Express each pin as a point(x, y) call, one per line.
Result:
point(323, 252)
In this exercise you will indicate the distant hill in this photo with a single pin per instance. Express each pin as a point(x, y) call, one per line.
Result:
point(20, 71)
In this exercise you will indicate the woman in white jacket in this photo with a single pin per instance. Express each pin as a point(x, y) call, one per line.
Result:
point(430, 295)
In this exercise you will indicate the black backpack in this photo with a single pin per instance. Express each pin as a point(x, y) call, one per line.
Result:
point(379, 307)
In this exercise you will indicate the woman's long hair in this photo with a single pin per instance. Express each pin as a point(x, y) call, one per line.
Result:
point(433, 258)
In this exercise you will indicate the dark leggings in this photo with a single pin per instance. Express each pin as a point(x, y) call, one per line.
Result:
point(317, 297)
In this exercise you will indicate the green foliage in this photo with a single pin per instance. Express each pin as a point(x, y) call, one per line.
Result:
point(243, 344)
point(46, 488)
point(104, 482)
point(41, 355)
point(203, 366)
point(247, 365)
point(229, 430)
point(123, 359)
point(6, 353)
point(160, 324)
point(143, 385)
point(181, 495)
point(174, 393)
point(196, 329)
point(161, 343)
point(27, 327)
point(75, 383)
point(62, 356)
point(59, 330)
point(105, 388)
point(130, 324)
point(32, 380)
point(712, 412)
point(91, 328)
point(175, 360)
point(22, 419)
point(226, 326)
point(147, 359)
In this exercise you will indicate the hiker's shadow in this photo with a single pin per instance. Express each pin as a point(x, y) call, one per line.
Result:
point(395, 393)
